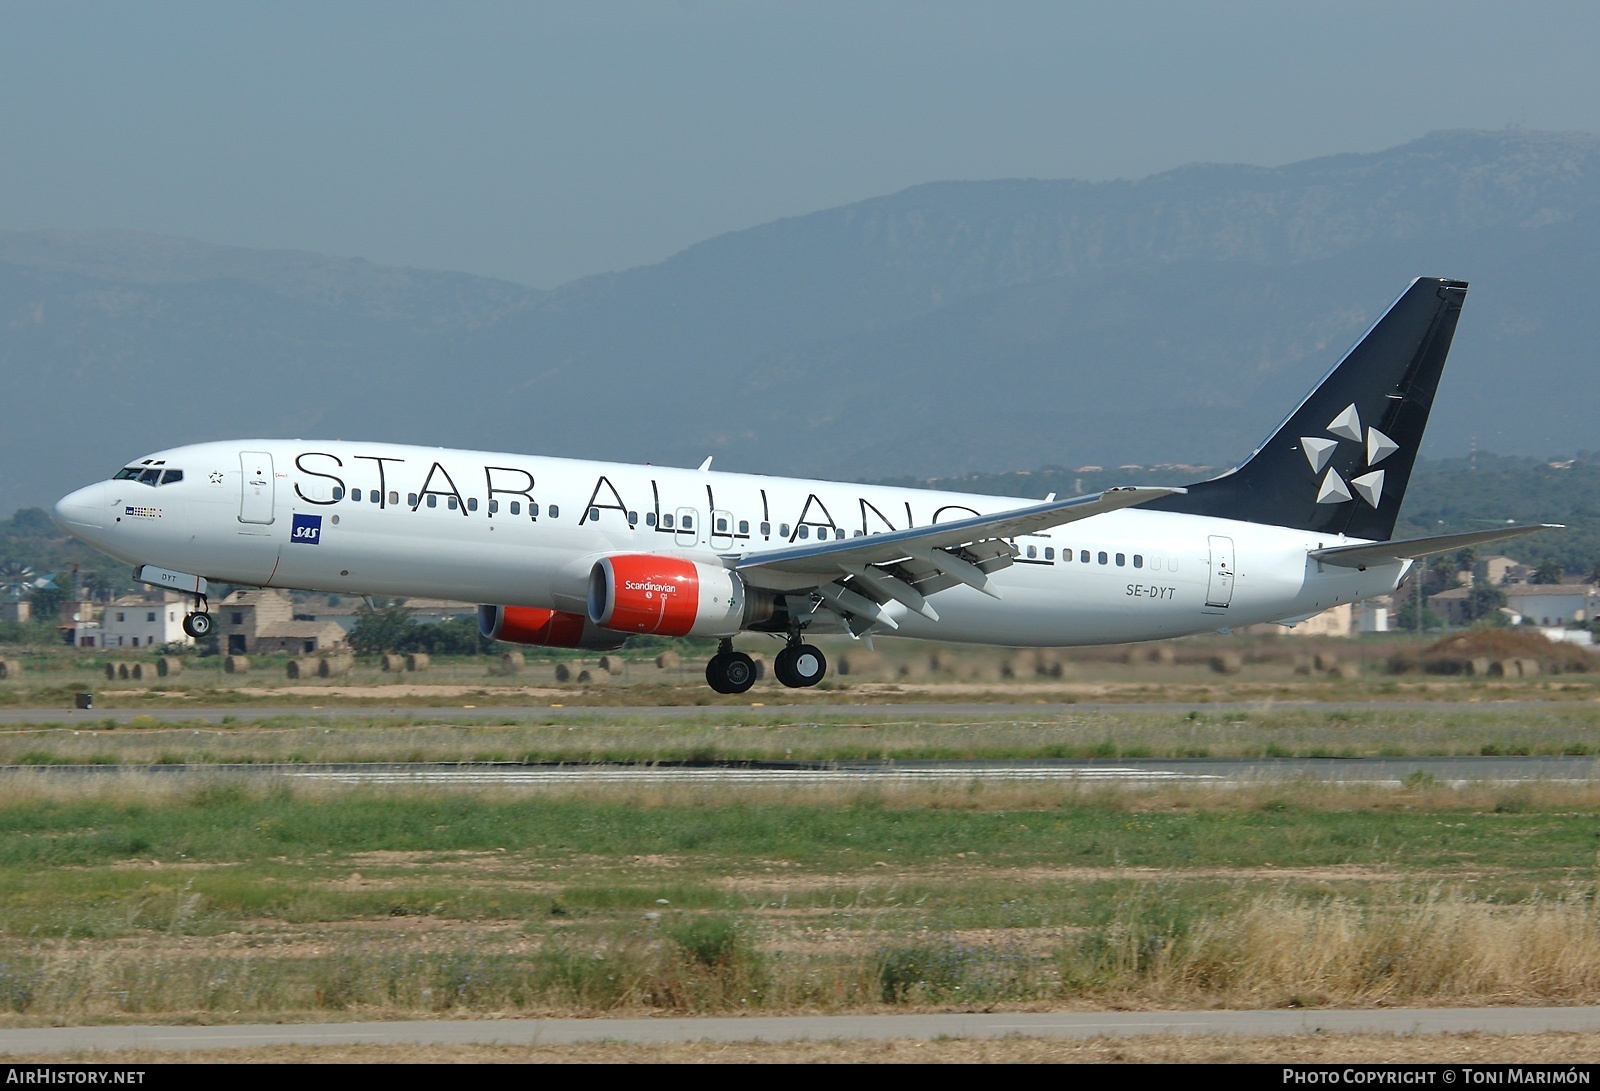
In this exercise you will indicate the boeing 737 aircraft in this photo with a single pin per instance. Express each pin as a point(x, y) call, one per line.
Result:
point(576, 554)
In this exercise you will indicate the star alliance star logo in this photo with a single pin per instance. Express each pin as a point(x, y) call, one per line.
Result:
point(1319, 451)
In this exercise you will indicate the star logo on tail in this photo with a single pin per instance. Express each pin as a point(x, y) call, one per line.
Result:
point(1319, 452)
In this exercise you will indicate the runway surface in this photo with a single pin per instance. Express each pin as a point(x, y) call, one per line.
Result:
point(1274, 1023)
point(1389, 772)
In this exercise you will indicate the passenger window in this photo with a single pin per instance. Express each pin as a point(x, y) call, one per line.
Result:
point(555, 511)
point(433, 502)
point(452, 502)
point(374, 496)
point(594, 513)
point(766, 530)
point(338, 493)
point(1138, 560)
point(394, 498)
point(494, 506)
point(633, 518)
point(1102, 557)
point(805, 531)
point(472, 503)
point(838, 534)
point(1049, 553)
point(722, 526)
point(533, 511)
point(667, 521)
point(744, 526)
point(411, 500)
point(1083, 557)
point(783, 530)
point(516, 507)
point(1033, 552)
point(649, 518)
point(1122, 559)
point(172, 477)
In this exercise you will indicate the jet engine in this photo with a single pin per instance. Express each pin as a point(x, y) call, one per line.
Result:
point(548, 628)
point(671, 596)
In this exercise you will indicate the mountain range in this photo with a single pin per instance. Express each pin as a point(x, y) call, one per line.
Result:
point(951, 328)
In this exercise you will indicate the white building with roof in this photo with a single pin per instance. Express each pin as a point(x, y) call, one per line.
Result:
point(1553, 604)
point(138, 622)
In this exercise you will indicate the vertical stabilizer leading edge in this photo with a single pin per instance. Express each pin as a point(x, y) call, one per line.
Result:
point(1339, 463)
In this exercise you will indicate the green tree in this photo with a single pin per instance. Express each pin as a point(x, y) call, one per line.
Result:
point(386, 629)
point(1484, 601)
point(47, 603)
point(1548, 572)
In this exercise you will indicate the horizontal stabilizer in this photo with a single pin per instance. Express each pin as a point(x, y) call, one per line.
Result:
point(1363, 556)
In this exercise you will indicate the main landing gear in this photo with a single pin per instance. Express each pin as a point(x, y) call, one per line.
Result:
point(198, 622)
point(730, 671)
point(797, 666)
point(800, 665)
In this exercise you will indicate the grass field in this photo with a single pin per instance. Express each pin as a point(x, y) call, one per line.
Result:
point(811, 734)
point(138, 897)
point(1197, 670)
point(136, 901)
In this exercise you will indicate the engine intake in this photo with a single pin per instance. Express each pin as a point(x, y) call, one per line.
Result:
point(547, 628)
point(671, 596)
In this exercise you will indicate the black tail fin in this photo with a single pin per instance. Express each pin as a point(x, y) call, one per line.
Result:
point(1339, 464)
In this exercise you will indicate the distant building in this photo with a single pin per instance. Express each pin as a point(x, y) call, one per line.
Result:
point(1499, 570)
point(264, 621)
point(1337, 621)
point(1554, 604)
point(140, 622)
point(16, 611)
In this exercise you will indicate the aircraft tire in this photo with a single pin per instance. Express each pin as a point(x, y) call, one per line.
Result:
point(800, 665)
point(197, 625)
point(731, 672)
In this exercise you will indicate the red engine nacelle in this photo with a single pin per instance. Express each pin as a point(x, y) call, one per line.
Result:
point(548, 628)
point(670, 596)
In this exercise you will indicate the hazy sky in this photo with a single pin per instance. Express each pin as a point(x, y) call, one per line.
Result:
point(545, 142)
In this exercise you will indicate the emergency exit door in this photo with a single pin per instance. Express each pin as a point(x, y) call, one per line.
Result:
point(1219, 588)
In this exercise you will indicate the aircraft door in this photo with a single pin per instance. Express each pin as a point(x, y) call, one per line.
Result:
point(256, 483)
point(688, 533)
point(721, 529)
point(1219, 588)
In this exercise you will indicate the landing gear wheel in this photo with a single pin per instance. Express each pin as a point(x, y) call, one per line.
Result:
point(800, 665)
point(197, 625)
point(731, 672)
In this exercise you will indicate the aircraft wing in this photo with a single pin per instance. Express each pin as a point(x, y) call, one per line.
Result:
point(1405, 549)
point(857, 577)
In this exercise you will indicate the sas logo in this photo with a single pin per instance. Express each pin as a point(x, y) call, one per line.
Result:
point(307, 529)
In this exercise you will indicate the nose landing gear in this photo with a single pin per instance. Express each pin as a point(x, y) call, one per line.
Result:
point(197, 623)
point(730, 671)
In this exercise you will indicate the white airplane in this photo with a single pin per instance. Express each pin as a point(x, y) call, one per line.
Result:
point(577, 554)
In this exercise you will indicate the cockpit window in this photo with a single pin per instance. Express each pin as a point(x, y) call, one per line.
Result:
point(148, 475)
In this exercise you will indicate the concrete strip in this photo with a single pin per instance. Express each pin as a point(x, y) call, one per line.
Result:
point(1396, 1021)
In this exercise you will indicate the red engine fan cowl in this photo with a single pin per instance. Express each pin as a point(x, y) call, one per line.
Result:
point(667, 596)
point(546, 628)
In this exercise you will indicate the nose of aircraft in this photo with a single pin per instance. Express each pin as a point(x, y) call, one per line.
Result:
point(82, 510)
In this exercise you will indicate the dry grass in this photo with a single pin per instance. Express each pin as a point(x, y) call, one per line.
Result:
point(1154, 1049)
